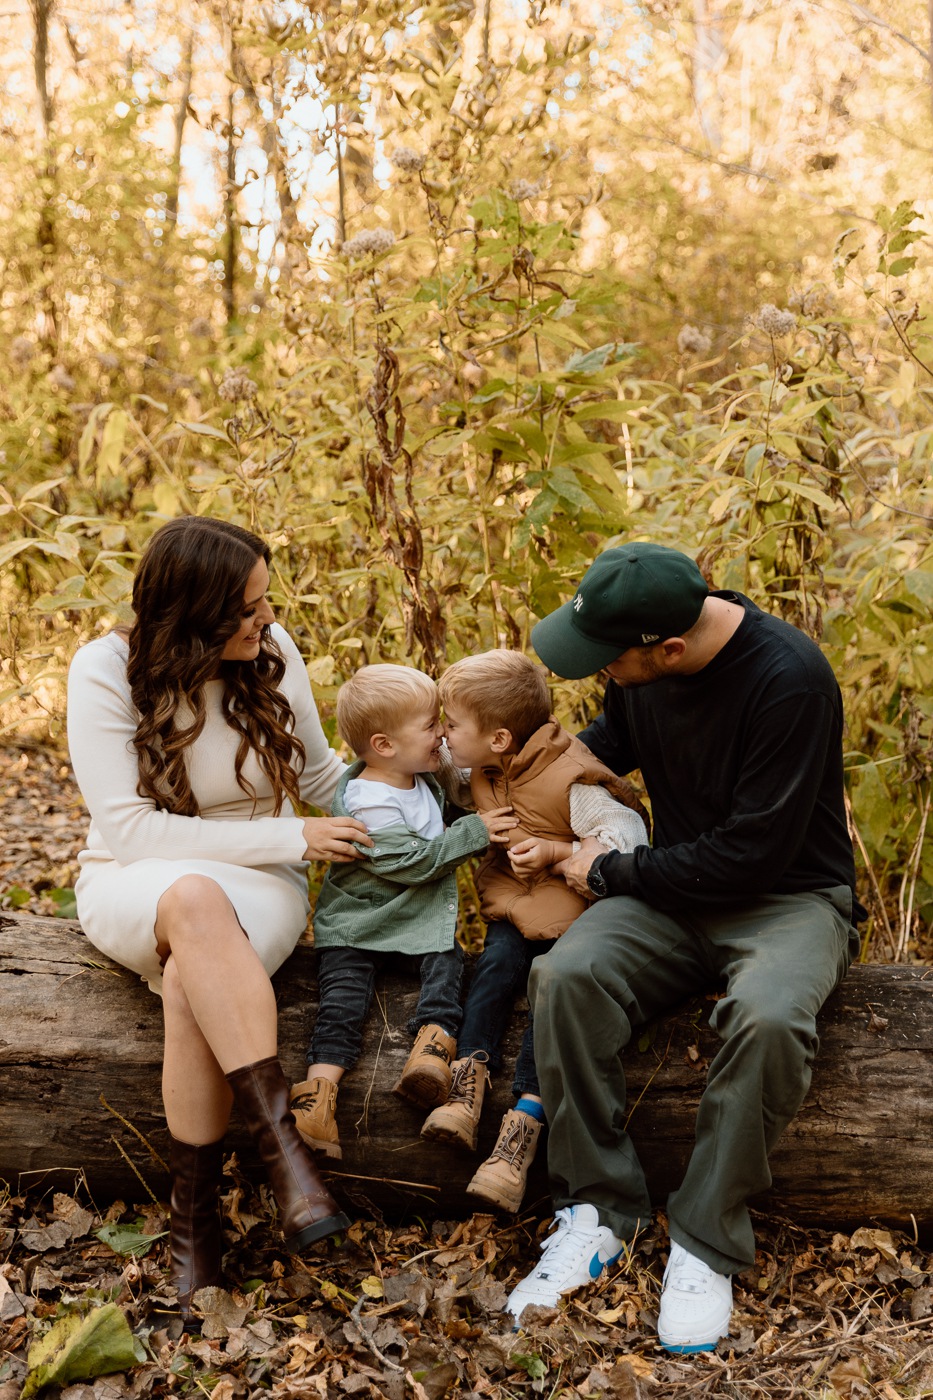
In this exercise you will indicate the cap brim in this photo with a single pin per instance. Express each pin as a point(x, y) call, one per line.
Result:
point(565, 652)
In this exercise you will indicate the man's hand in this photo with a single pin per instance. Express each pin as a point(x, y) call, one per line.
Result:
point(576, 868)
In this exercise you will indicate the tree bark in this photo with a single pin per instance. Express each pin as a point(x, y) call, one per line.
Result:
point(81, 1048)
point(46, 308)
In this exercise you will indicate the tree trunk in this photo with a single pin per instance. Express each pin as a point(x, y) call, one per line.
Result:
point(228, 286)
point(46, 308)
point(80, 1056)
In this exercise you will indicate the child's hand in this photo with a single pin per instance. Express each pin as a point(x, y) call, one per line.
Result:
point(499, 822)
point(536, 854)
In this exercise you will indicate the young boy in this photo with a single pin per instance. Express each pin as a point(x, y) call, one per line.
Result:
point(499, 726)
point(400, 898)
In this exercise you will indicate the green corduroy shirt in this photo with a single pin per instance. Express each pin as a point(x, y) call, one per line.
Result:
point(402, 895)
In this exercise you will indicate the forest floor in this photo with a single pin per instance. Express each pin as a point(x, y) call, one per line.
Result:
point(409, 1309)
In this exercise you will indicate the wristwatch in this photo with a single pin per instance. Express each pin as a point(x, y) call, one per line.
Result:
point(596, 880)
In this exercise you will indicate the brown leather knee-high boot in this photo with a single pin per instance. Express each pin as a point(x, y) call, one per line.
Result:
point(308, 1211)
point(195, 1236)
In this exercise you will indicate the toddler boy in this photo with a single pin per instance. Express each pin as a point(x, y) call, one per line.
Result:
point(399, 898)
point(499, 726)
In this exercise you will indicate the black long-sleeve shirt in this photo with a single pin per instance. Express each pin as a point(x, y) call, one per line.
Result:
point(742, 762)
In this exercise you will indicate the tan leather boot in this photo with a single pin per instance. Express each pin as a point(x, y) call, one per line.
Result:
point(457, 1120)
point(426, 1077)
point(313, 1103)
point(502, 1178)
point(307, 1210)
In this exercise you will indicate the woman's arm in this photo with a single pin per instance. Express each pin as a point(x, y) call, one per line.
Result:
point(101, 725)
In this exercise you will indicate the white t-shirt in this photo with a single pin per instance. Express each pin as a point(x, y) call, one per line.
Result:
point(378, 805)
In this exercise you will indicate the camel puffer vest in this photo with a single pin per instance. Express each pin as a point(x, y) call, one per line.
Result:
point(536, 784)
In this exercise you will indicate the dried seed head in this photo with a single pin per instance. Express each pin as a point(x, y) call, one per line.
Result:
point(407, 160)
point(691, 340)
point(61, 379)
point(774, 322)
point(237, 386)
point(369, 240)
point(21, 351)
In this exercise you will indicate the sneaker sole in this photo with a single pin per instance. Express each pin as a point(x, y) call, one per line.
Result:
point(688, 1349)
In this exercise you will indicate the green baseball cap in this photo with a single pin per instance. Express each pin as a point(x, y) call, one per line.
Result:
point(632, 596)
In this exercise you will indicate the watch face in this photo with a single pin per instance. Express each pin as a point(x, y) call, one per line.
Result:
point(596, 881)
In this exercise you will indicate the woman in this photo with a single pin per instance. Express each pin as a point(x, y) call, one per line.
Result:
point(191, 734)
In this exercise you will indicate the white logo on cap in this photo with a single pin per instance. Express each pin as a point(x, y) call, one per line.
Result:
point(578, 602)
point(650, 637)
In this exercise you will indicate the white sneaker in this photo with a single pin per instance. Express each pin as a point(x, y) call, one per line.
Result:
point(576, 1253)
point(696, 1304)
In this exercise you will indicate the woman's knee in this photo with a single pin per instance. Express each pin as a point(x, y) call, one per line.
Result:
point(194, 900)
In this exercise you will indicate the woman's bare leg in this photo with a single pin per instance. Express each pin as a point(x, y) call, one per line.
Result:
point(219, 1006)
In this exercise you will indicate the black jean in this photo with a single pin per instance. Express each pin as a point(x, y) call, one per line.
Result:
point(347, 979)
point(499, 977)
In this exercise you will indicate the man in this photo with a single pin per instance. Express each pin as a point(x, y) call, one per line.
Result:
point(735, 720)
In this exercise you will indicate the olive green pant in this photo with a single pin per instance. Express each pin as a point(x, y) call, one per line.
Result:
point(623, 963)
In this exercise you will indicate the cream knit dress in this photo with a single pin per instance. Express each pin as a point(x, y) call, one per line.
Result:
point(135, 852)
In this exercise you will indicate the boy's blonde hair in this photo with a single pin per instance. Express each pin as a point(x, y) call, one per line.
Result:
point(378, 699)
point(499, 689)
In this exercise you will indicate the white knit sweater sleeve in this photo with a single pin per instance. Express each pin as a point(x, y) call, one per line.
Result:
point(594, 812)
point(322, 766)
point(101, 725)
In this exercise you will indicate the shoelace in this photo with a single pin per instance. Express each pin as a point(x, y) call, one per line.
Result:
point(690, 1276)
point(512, 1145)
point(463, 1084)
point(562, 1249)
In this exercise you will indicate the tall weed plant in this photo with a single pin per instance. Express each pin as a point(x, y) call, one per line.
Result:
point(447, 427)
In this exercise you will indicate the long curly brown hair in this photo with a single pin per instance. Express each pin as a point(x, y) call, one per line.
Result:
point(188, 600)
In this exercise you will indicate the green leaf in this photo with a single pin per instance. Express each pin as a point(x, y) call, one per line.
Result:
point(531, 1362)
point(811, 493)
point(204, 430)
point(65, 902)
point(80, 1348)
point(900, 266)
point(17, 896)
point(127, 1240)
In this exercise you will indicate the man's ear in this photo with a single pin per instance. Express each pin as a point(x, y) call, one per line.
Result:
point(382, 745)
point(501, 741)
point(672, 650)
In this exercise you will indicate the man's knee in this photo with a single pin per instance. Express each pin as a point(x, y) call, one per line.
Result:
point(777, 1030)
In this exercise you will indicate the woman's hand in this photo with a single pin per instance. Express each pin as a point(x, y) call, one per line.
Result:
point(535, 854)
point(331, 838)
point(499, 821)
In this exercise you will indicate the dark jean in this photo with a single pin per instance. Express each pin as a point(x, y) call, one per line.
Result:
point(347, 979)
point(499, 977)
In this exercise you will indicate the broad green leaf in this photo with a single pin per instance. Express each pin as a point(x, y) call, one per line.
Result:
point(204, 430)
point(812, 493)
point(126, 1239)
point(110, 454)
point(80, 1348)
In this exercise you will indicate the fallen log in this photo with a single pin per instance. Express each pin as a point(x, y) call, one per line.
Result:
point(80, 1057)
